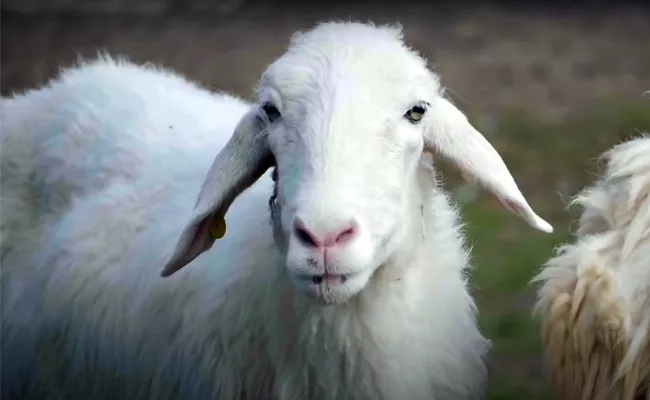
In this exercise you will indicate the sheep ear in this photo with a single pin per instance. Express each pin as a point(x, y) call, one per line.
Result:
point(452, 136)
point(237, 166)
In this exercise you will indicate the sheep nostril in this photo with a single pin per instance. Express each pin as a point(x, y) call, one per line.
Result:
point(305, 236)
point(346, 235)
point(342, 236)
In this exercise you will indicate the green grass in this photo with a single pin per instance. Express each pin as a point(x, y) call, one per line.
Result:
point(551, 162)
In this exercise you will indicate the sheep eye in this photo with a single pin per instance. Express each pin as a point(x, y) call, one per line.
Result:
point(415, 114)
point(271, 111)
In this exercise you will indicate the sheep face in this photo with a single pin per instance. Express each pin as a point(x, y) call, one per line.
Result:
point(346, 146)
point(345, 115)
point(343, 173)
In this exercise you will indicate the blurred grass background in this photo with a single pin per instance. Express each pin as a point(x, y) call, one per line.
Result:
point(551, 85)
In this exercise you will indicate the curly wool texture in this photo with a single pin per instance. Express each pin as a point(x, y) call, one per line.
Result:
point(112, 156)
point(594, 298)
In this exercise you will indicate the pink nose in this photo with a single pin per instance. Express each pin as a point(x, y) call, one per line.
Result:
point(339, 237)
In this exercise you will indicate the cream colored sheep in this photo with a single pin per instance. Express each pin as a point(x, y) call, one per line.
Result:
point(595, 295)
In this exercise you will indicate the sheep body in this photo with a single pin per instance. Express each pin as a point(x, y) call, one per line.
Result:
point(593, 300)
point(94, 321)
point(85, 314)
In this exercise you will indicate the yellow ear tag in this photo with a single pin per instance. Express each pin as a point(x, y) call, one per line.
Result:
point(218, 227)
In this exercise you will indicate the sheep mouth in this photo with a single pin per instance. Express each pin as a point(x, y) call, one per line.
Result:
point(330, 288)
point(325, 278)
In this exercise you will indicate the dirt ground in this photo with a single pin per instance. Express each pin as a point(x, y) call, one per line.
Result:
point(551, 62)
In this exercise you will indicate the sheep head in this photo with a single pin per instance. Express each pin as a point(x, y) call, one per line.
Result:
point(345, 116)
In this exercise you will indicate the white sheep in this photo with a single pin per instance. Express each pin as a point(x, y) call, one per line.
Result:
point(349, 283)
point(595, 292)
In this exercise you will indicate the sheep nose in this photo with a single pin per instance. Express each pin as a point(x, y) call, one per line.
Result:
point(335, 237)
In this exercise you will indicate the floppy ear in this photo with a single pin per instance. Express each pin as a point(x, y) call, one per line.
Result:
point(452, 136)
point(238, 165)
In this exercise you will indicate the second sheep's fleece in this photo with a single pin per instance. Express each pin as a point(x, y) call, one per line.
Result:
point(342, 274)
point(594, 301)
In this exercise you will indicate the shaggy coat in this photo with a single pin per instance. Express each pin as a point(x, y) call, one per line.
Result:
point(594, 298)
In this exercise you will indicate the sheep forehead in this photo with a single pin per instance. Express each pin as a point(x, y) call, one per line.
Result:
point(348, 66)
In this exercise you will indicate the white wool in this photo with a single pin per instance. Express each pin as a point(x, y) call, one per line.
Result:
point(594, 297)
point(125, 149)
point(94, 125)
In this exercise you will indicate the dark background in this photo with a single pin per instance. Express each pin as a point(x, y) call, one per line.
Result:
point(550, 84)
